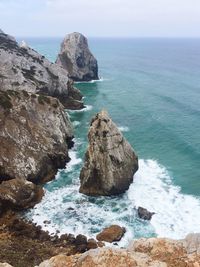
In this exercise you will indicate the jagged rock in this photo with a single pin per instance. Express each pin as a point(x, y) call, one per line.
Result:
point(110, 161)
point(19, 194)
point(34, 132)
point(77, 59)
point(144, 214)
point(5, 265)
point(111, 234)
point(22, 68)
point(153, 252)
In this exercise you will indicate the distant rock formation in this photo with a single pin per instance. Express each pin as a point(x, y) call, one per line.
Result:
point(110, 161)
point(22, 68)
point(111, 234)
point(77, 59)
point(34, 136)
point(152, 252)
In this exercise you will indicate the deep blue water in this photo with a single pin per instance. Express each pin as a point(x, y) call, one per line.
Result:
point(151, 88)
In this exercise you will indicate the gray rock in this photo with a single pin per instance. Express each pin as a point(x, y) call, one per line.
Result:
point(144, 214)
point(34, 132)
point(77, 59)
point(110, 161)
point(22, 68)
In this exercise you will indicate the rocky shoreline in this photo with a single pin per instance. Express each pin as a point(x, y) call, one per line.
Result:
point(36, 135)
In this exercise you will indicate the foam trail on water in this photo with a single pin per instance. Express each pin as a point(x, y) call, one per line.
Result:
point(93, 81)
point(123, 128)
point(177, 214)
point(86, 108)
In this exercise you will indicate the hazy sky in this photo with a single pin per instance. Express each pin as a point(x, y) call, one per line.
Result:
point(134, 18)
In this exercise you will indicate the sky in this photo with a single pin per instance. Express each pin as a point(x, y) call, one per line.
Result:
point(101, 18)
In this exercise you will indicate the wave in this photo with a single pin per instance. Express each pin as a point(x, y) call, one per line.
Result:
point(101, 79)
point(123, 128)
point(71, 212)
point(86, 108)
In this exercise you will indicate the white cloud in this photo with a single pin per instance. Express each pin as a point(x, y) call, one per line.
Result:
point(103, 18)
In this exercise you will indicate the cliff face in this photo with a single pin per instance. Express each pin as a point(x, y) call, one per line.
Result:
point(110, 161)
point(76, 58)
point(22, 68)
point(34, 132)
point(153, 252)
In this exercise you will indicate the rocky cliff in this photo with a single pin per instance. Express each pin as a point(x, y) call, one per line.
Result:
point(22, 68)
point(153, 252)
point(110, 161)
point(34, 135)
point(77, 59)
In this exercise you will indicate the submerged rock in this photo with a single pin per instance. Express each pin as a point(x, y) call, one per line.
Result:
point(144, 214)
point(22, 68)
point(77, 59)
point(111, 234)
point(34, 136)
point(110, 161)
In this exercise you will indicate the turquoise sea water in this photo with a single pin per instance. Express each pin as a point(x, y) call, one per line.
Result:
point(151, 89)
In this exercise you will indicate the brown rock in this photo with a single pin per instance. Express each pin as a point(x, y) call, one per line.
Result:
point(110, 161)
point(19, 194)
point(111, 234)
point(91, 244)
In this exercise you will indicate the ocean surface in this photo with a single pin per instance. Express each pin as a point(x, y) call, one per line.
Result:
point(151, 89)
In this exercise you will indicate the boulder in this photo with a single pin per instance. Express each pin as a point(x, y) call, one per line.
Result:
point(111, 234)
point(22, 68)
point(76, 58)
point(153, 252)
point(19, 194)
point(144, 214)
point(5, 265)
point(34, 136)
point(110, 161)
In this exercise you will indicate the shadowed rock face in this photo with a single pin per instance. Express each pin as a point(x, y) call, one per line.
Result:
point(77, 59)
point(22, 68)
point(34, 132)
point(110, 161)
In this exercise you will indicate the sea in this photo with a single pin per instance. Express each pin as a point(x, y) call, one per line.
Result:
point(151, 89)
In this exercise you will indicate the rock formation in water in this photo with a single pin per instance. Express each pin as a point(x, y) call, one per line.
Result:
point(110, 161)
point(34, 136)
point(111, 234)
point(22, 68)
point(153, 252)
point(144, 214)
point(77, 59)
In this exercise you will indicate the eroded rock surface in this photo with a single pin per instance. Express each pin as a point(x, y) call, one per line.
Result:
point(153, 252)
point(77, 59)
point(22, 68)
point(110, 161)
point(34, 136)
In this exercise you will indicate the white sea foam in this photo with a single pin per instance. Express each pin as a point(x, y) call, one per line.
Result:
point(76, 123)
point(123, 128)
point(101, 79)
point(86, 108)
point(177, 214)
point(71, 212)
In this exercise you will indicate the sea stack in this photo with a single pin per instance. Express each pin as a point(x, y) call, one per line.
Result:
point(110, 161)
point(22, 68)
point(76, 58)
